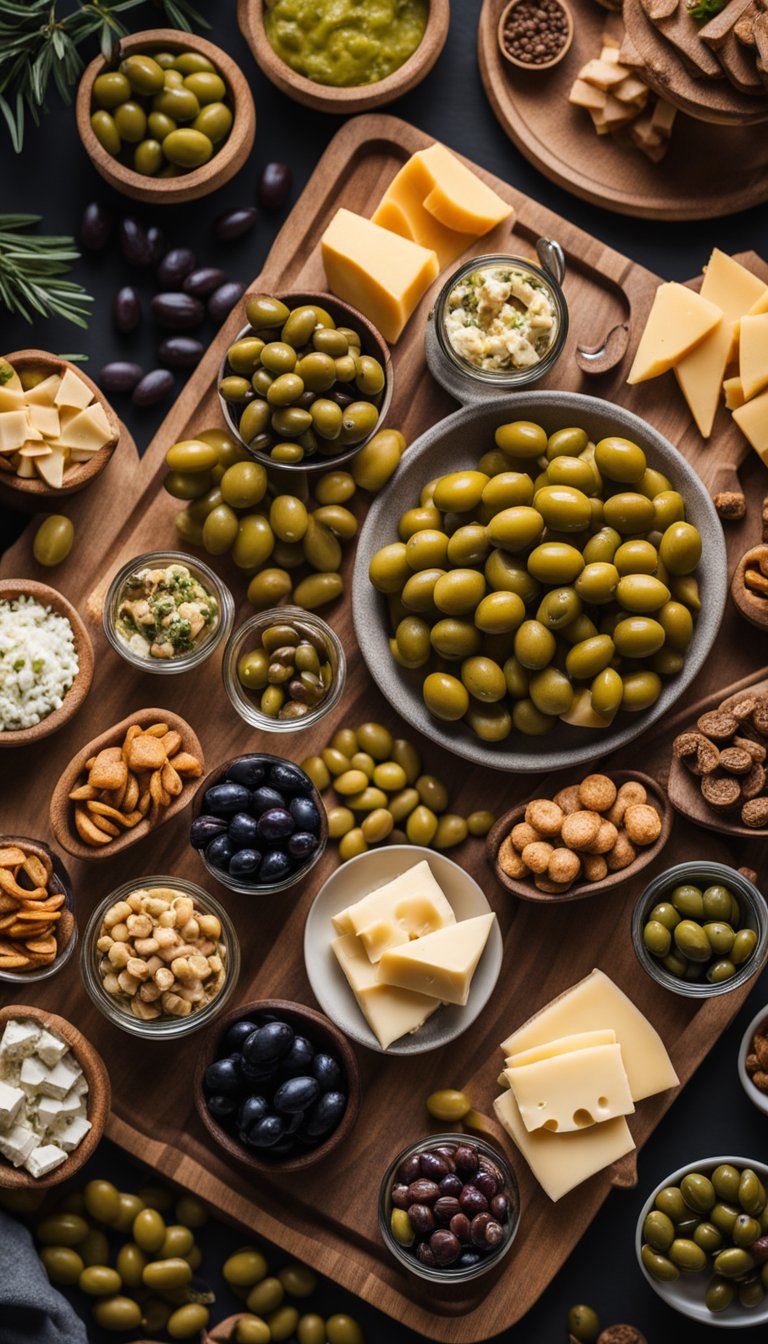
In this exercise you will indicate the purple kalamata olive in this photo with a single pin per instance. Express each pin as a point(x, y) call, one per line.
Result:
point(425, 1255)
point(408, 1170)
point(204, 828)
point(444, 1246)
point(126, 309)
point(154, 387)
point(480, 1223)
point(486, 1183)
point(203, 280)
point(176, 266)
point(500, 1207)
point(759, 1248)
point(120, 376)
point(465, 1158)
point(451, 1185)
point(223, 300)
point(433, 1165)
point(276, 823)
point(234, 223)
point(422, 1219)
point(134, 243)
point(472, 1201)
point(494, 1234)
point(158, 244)
point(446, 1208)
point(460, 1227)
point(302, 844)
point(96, 226)
point(400, 1196)
point(181, 352)
point(274, 185)
point(423, 1191)
point(178, 312)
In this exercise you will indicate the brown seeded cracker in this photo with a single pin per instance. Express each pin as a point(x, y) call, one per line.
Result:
point(723, 795)
point(755, 813)
point(717, 724)
point(753, 784)
point(685, 746)
point(621, 1334)
point(744, 708)
point(735, 761)
point(760, 717)
point(731, 505)
point(756, 749)
point(707, 758)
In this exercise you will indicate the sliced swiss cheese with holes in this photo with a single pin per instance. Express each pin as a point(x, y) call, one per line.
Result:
point(457, 196)
point(376, 271)
point(753, 354)
point(678, 320)
point(402, 210)
point(409, 906)
point(571, 1091)
point(440, 964)
point(560, 1162)
point(389, 1012)
point(700, 374)
point(595, 1003)
point(752, 419)
point(73, 391)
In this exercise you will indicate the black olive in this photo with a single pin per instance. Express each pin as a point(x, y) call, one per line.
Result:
point(134, 243)
point(234, 223)
point(226, 799)
point(274, 185)
point(96, 226)
point(153, 387)
point(177, 311)
point(176, 265)
point(223, 300)
point(237, 1033)
point(181, 352)
point(245, 863)
point(203, 281)
point(120, 376)
point(126, 309)
point(248, 770)
point(296, 1094)
point(243, 830)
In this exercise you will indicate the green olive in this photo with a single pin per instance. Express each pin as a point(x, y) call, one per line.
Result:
point(311, 1329)
point(659, 1230)
point(460, 491)
point(143, 74)
point(602, 547)
point(459, 591)
point(752, 1196)
point(576, 472)
point(697, 1190)
point(117, 1313)
point(583, 1322)
point(743, 946)
point(207, 86)
point(720, 1294)
point(102, 1201)
point(692, 942)
point(534, 645)
point(680, 548)
point(670, 1201)
point(53, 540)
point(725, 1180)
point(426, 549)
point(254, 1330)
point(188, 1320)
point(173, 1272)
point(563, 507)
point(751, 1292)
point(110, 90)
point(131, 122)
point(666, 914)
point(149, 1230)
point(106, 132)
point(589, 657)
point(130, 1264)
point(640, 691)
point(266, 1296)
point(340, 821)
point(607, 691)
point(555, 562)
point(530, 720)
point(179, 104)
point(413, 644)
point(187, 147)
point(445, 696)
point(521, 438)
point(658, 1266)
point(101, 1281)
point(188, 62)
point(215, 121)
point(62, 1229)
point(708, 1237)
point(451, 830)
point(377, 461)
point(636, 557)
point(516, 528)
point(469, 545)
point(657, 938)
point(377, 826)
point(733, 1262)
point(620, 460)
point(505, 489)
point(499, 612)
point(559, 608)
point(342, 1329)
point(638, 637)
point(641, 593)
point(598, 582)
point(298, 1280)
point(269, 587)
point(62, 1264)
point(316, 590)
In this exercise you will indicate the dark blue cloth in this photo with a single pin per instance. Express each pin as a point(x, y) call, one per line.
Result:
point(32, 1311)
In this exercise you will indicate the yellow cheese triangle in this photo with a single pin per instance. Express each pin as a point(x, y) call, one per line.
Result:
point(440, 964)
point(401, 209)
point(752, 419)
point(753, 354)
point(734, 393)
point(389, 1012)
point(730, 285)
point(457, 197)
point(376, 271)
point(761, 304)
point(678, 320)
point(560, 1162)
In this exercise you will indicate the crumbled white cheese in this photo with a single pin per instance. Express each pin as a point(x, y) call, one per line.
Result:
point(500, 319)
point(46, 1157)
point(19, 1039)
point(11, 1101)
point(43, 1098)
point(38, 662)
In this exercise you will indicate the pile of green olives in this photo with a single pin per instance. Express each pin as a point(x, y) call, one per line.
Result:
point(553, 582)
point(289, 668)
point(384, 796)
point(295, 386)
point(697, 933)
point(715, 1223)
point(161, 114)
point(233, 507)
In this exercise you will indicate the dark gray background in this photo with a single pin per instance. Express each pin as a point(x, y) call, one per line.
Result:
point(55, 179)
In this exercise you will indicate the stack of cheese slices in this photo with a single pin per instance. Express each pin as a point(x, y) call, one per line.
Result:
point(45, 428)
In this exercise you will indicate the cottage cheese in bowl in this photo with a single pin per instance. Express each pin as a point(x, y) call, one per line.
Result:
point(38, 662)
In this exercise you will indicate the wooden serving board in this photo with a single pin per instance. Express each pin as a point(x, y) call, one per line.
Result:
point(327, 1216)
point(709, 170)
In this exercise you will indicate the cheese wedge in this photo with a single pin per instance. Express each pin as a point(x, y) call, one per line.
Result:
point(571, 1091)
point(402, 210)
point(46, 419)
point(44, 393)
point(409, 906)
point(752, 419)
point(596, 1003)
point(678, 320)
point(733, 393)
point(89, 429)
point(73, 391)
point(376, 271)
point(14, 430)
point(560, 1162)
point(440, 964)
point(580, 1040)
point(761, 304)
point(11, 399)
point(389, 1012)
point(457, 198)
point(753, 354)
point(51, 467)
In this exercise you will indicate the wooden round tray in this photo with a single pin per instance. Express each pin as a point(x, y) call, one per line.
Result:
point(561, 142)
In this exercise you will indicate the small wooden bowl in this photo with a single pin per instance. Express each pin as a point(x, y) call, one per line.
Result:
point(61, 806)
point(321, 1032)
point(49, 597)
point(751, 605)
point(527, 65)
point(228, 160)
point(358, 97)
point(35, 493)
point(548, 788)
point(99, 1099)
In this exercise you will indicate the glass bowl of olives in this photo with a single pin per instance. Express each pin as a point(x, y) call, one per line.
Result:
point(259, 824)
point(700, 929)
point(284, 670)
point(306, 383)
point(702, 1241)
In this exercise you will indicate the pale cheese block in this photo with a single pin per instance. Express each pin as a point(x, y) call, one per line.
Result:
point(700, 374)
point(560, 1162)
point(761, 304)
point(753, 353)
point(752, 419)
point(586, 95)
point(440, 964)
point(733, 393)
point(458, 199)
point(678, 320)
point(14, 430)
point(579, 1040)
point(89, 429)
point(376, 271)
point(596, 1003)
point(402, 210)
point(73, 391)
point(51, 467)
point(25, 468)
point(409, 906)
point(572, 1091)
point(46, 419)
point(11, 399)
point(44, 394)
point(389, 1012)
point(35, 450)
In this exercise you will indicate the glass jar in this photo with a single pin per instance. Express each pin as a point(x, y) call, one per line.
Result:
point(66, 927)
point(116, 1010)
point(449, 1275)
point(182, 662)
point(242, 640)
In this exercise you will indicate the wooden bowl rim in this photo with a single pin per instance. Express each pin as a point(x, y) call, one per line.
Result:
point(220, 167)
point(82, 472)
point(750, 605)
point(60, 804)
point(355, 97)
point(347, 1059)
point(323, 298)
point(580, 890)
point(99, 1099)
point(526, 65)
point(51, 597)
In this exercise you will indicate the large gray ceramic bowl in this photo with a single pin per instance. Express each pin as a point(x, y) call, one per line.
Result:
point(458, 442)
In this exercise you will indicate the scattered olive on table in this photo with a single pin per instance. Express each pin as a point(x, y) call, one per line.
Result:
point(126, 309)
point(234, 223)
point(697, 933)
point(53, 540)
point(274, 188)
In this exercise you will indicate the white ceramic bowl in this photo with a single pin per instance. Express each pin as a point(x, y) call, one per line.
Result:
point(350, 883)
point(686, 1294)
point(759, 1098)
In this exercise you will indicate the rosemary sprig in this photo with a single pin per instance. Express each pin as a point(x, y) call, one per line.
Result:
point(31, 266)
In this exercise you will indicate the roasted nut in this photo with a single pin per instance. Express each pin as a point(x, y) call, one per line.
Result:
point(731, 505)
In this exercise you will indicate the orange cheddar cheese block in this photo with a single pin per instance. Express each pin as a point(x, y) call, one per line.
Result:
point(379, 272)
point(457, 198)
point(402, 210)
point(679, 319)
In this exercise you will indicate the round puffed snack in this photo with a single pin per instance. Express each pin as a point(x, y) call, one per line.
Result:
point(597, 793)
point(622, 854)
point(580, 829)
point(509, 860)
point(568, 799)
point(536, 856)
point(595, 867)
point(546, 884)
point(522, 834)
point(642, 824)
point(545, 816)
point(563, 866)
point(605, 839)
point(630, 792)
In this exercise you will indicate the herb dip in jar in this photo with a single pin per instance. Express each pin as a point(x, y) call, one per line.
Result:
point(501, 318)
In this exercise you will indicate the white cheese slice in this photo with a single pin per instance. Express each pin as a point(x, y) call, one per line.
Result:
point(579, 1040)
point(11, 1101)
point(14, 430)
point(25, 467)
point(441, 964)
point(89, 429)
point(409, 906)
point(560, 1162)
point(44, 394)
point(51, 467)
point(572, 1091)
point(595, 1003)
point(35, 450)
point(73, 391)
point(17, 1143)
point(45, 419)
point(47, 1157)
point(390, 1013)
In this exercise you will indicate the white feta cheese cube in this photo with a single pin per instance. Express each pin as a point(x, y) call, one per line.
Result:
point(17, 1143)
point(81, 1086)
point(19, 1039)
point(72, 1133)
point(11, 1101)
point(54, 1112)
point(32, 1075)
point(57, 1081)
point(50, 1048)
point(47, 1157)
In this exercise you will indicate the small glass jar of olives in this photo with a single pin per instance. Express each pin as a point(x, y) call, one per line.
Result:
point(449, 1208)
point(700, 929)
point(284, 670)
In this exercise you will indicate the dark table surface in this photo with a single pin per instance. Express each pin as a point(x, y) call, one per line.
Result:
point(55, 179)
